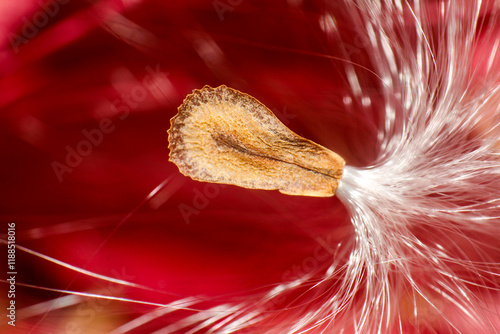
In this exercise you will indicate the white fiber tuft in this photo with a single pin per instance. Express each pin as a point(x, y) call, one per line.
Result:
point(426, 212)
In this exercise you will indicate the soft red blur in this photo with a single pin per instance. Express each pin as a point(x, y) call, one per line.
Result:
point(85, 101)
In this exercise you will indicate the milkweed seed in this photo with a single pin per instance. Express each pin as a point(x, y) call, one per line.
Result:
point(221, 135)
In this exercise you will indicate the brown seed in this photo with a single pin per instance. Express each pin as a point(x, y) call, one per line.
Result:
point(221, 135)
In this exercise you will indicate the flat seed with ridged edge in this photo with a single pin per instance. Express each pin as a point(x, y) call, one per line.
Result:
point(221, 135)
